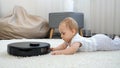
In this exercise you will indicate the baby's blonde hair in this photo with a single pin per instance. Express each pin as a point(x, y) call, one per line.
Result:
point(70, 23)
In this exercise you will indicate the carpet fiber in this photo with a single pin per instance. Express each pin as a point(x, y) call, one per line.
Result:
point(99, 59)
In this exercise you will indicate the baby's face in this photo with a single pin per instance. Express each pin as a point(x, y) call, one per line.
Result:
point(66, 33)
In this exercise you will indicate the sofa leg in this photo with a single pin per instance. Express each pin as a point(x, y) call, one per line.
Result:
point(81, 33)
point(51, 32)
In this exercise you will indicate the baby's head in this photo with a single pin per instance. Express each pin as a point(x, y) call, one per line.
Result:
point(68, 28)
point(70, 23)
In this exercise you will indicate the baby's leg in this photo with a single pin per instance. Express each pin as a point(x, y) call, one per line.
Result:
point(116, 41)
point(105, 43)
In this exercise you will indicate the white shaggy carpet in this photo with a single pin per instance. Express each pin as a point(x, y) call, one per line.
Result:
point(99, 59)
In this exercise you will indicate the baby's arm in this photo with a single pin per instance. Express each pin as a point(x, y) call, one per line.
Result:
point(71, 50)
point(60, 47)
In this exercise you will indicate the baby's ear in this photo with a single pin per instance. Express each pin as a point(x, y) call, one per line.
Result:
point(73, 31)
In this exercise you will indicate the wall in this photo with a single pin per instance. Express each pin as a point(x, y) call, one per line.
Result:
point(84, 7)
point(105, 16)
point(101, 16)
point(36, 7)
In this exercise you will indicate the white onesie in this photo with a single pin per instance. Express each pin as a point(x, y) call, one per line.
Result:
point(96, 42)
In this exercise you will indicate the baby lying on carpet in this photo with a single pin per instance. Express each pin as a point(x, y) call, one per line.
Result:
point(68, 29)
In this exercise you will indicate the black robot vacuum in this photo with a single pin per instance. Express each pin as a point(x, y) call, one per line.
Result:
point(28, 48)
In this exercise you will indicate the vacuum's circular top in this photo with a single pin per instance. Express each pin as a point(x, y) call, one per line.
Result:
point(28, 48)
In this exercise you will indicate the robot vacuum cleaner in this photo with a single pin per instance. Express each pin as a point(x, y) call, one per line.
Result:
point(28, 48)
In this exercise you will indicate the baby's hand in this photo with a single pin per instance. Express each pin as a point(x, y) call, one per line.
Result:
point(52, 49)
point(56, 53)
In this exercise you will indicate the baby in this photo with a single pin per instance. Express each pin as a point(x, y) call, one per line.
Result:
point(68, 29)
